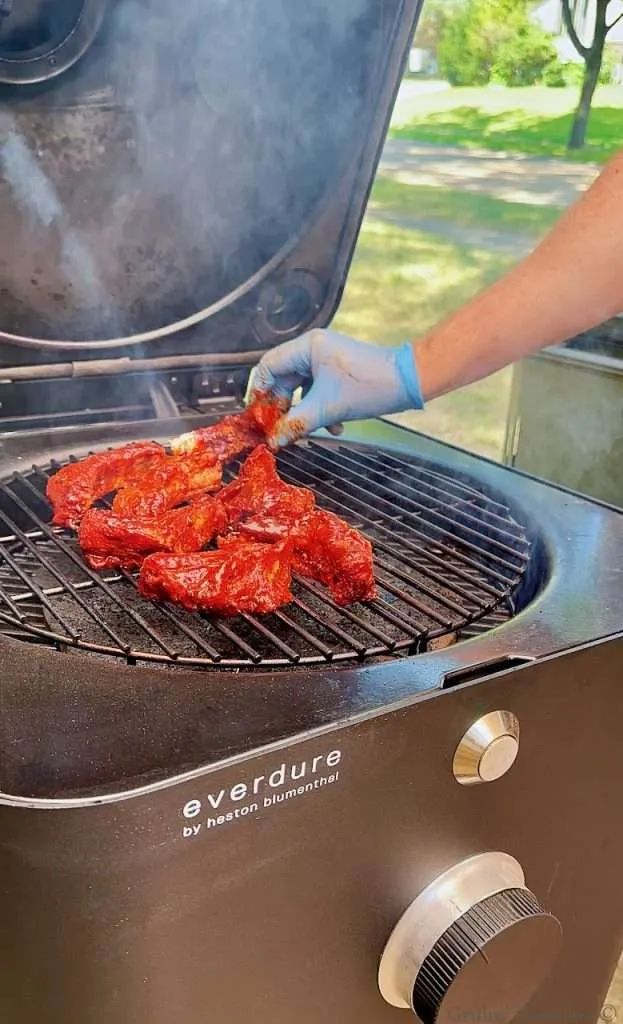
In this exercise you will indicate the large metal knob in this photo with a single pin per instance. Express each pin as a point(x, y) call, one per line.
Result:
point(475, 945)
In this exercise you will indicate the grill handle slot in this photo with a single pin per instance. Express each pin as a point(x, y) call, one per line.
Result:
point(476, 673)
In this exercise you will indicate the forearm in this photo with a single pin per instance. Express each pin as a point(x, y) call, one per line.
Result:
point(572, 281)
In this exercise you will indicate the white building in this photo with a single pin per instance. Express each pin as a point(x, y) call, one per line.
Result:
point(549, 14)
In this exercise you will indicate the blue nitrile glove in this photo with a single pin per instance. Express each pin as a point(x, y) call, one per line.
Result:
point(342, 379)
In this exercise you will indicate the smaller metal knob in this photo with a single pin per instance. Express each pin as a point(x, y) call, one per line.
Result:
point(488, 749)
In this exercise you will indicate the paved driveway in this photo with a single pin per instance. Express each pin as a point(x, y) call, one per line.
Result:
point(519, 179)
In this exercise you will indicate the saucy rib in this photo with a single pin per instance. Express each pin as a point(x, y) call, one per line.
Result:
point(260, 502)
point(233, 435)
point(263, 507)
point(156, 489)
point(327, 549)
point(241, 577)
point(111, 541)
point(77, 486)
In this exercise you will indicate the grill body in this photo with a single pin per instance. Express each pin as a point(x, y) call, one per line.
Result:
point(119, 908)
point(121, 913)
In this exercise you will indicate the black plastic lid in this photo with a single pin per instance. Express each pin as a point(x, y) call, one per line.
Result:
point(195, 178)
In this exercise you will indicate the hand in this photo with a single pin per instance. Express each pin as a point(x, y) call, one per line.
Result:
point(342, 379)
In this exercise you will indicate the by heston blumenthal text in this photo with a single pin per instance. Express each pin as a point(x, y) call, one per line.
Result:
point(285, 783)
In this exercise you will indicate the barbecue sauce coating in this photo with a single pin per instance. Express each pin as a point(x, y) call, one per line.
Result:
point(265, 507)
point(78, 485)
point(329, 550)
point(233, 435)
point(149, 480)
point(262, 507)
point(111, 541)
point(265, 528)
point(156, 489)
point(243, 577)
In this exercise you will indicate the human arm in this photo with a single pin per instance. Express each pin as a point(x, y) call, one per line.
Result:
point(570, 282)
point(573, 280)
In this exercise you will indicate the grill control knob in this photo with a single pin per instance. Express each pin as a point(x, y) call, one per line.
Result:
point(488, 749)
point(475, 945)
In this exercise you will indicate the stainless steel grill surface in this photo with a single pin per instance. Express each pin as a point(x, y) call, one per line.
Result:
point(447, 553)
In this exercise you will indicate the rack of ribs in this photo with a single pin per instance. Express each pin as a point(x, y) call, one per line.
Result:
point(148, 479)
point(164, 515)
point(243, 577)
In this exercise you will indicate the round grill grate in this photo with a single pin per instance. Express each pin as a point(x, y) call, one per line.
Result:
point(447, 556)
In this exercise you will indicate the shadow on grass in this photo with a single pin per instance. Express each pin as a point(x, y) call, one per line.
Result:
point(518, 131)
point(461, 208)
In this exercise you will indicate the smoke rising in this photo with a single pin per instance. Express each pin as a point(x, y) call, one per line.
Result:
point(188, 146)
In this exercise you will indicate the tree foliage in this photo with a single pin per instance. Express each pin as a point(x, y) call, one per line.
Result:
point(592, 53)
point(487, 40)
point(434, 17)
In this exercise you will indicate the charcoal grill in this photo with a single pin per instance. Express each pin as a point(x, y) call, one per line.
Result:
point(321, 814)
point(446, 555)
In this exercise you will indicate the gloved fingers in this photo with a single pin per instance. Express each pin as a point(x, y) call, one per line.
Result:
point(301, 420)
point(288, 362)
point(336, 429)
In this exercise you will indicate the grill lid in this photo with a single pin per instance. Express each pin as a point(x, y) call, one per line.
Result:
point(193, 177)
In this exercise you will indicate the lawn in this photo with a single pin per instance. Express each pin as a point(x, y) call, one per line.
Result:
point(535, 121)
point(460, 209)
point(401, 283)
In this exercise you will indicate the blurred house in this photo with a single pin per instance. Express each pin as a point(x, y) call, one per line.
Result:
point(549, 14)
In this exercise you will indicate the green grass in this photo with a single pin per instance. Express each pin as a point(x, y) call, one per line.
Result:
point(401, 283)
point(461, 209)
point(535, 121)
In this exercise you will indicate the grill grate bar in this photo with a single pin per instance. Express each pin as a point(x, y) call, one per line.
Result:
point(17, 612)
point(176, 620)
point(372, 465)
point(440, 482)
point(348, 613)
point(441, 578)
point(66, 584)
point(390, 614)
point(233, 637)
point(443, 565)
point(414, 603)
point(419, 509)
point(77, 560)
point(326, 624)
point(33, 587)
point(426, 609)
point(309, 638)
point(292, 655)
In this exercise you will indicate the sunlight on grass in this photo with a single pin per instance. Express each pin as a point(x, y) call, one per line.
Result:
point(463, 209)
point(535, 121)
point(401, 283)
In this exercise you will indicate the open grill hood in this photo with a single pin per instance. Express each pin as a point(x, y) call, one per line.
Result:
point(195, 181)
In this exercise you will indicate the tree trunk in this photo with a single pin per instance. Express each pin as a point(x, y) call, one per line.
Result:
point(589, 84)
